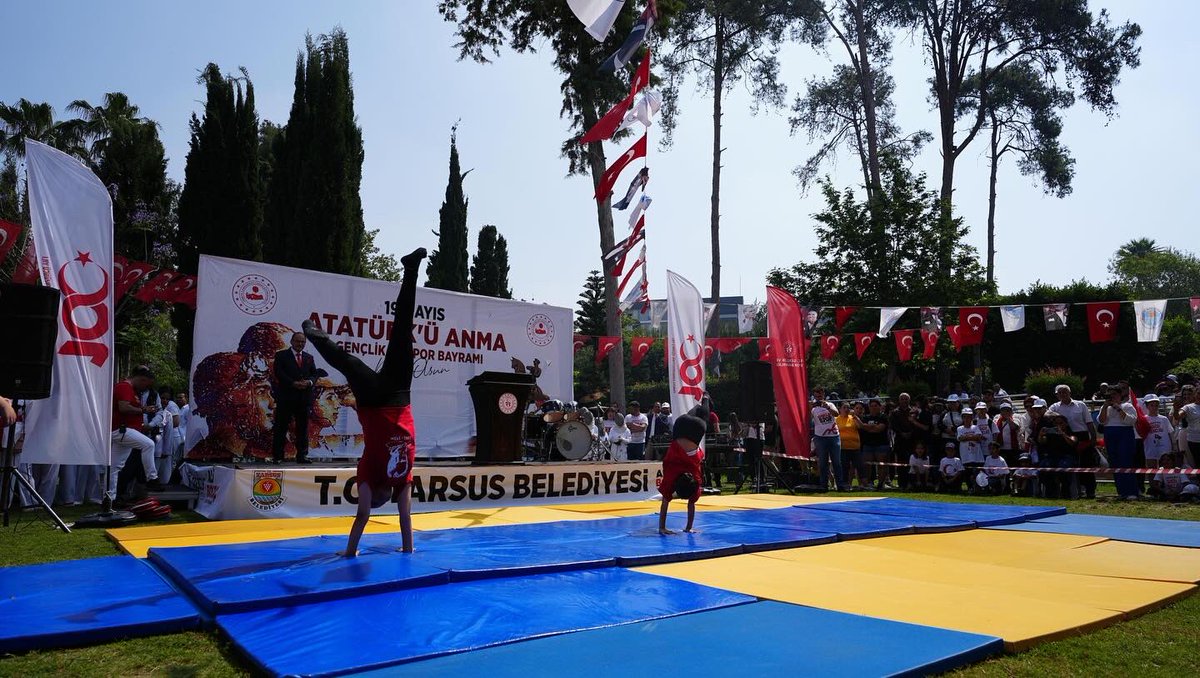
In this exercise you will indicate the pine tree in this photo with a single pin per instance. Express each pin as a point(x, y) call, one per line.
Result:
point(447, 268)
point(590, 319)
point(220, 209)
point(314, 212)
point(489, 268)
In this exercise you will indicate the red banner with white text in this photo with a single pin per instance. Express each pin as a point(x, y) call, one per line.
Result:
point(786, 327)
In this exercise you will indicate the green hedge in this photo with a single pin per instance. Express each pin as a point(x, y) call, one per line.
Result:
point(1042, 382)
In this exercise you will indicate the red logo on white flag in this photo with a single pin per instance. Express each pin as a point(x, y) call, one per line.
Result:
point(85, 315)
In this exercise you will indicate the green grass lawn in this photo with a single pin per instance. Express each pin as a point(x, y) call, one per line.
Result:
point(1164, 643)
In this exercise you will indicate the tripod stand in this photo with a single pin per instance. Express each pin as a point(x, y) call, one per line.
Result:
point(9, 472)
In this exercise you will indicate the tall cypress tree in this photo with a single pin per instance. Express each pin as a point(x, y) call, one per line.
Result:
point(489, 267)
point(447, 267)
point(314, 211)
point(590, 318)
point(220, 209)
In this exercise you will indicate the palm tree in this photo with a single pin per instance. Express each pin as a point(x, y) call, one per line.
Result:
point(1138, 248)
point(27, 120)
point(99, 123)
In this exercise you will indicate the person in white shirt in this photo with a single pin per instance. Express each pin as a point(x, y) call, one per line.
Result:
point(1173, 485)
point(984, 422)
point(1161, 439)
point(997, 470)
point(1117, 418)
point(1008, 433)
point(918, 466)
point(1028, 422)
point(610, 419)
point(951, 420)
point(970, 447)
point(1083, 428)
point(1187, 417)
point(951, 469)
point(618, 440)
point(168, 440)
point(637, 423)
point(1024, 478)
point(826, 439)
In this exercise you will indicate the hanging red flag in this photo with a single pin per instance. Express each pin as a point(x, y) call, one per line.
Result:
point(861, 341)
point(26, 272)
point(581, 340)
point(710, 349)
point(132, 273)
point(605, 346)
point(955, 337)
point(829, 345)
point(610, 176)
point(904, 344)
point(971, 321)
point(1102, 321)
point(9, 234)
point(607, 126)
point(764, 349)
point(154, 288)
point(929, 338)
point(638, 348)
point(727, 344)
point(184, 286)
point(841, 314)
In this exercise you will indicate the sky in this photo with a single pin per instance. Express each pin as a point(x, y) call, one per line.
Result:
point(1132, 172)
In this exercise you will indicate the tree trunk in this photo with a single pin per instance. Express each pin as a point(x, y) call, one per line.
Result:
point(867, 84)
point(991, 220)
point(612, 313)
point(715, 223)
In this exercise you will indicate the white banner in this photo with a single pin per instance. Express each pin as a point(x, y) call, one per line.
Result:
point(228, 493)
point(247, 312)
point(1149, 316)
point(888, 317)
point(71, 214)
point(1013, 318)
point(685, 343)
point(597, 15)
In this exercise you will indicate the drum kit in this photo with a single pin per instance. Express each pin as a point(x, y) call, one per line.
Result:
point(564, 431)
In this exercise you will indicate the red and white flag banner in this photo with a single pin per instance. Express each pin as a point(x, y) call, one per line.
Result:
point(604, 346)
point(26, 272)
point(685, 343)
point(581, 340)
point(638, 348)
point(861, 341)
point(785, 324)
point(1102, 321)
point(610, 176)
point(154, 288)
point(904, 344)
point(71, 215)
point(764, 349)
point(929, 340)
point(829, 345)
point(955, 334)
point(127, 274)
point(971, 322)
point(10, 233)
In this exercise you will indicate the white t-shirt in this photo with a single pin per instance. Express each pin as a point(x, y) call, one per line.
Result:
point(608, 425)
point(969, 451)
point(1191, 417)
point(950, 466)
point(636, 436)
point(996, 466)
point(1172, 483)
point(917, 464)
point(1158, 442)
point(986, 430)
point(618, 435)
point(824, 422)
point(1077, 413)
point(1115, 418)
point(950, 423)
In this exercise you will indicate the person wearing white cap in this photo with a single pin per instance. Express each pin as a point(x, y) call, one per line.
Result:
point(1035, 409)
point(951, 420)
point(970, 447)
point(1008, 433)
point(984, 422)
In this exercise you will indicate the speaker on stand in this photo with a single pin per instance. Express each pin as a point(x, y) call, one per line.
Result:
point(28, 335)
point(757, 402)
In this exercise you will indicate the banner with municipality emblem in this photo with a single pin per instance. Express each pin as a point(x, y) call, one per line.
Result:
point(788, 371)
point(266, 491)
point(247, 311)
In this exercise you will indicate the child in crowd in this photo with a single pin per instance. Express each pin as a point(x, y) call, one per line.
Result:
point(951, 469)
point(970, 447)
point(618, 440)
point(918, 467)
point(1025, 477)
point(996, 469)
point(1173, 485)
point(681, 466)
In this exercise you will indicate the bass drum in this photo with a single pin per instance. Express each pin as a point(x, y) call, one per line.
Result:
point(574, 440)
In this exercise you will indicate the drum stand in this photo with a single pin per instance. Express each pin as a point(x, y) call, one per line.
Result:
point(9, 472)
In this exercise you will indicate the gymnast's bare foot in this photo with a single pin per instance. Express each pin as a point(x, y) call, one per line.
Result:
point(691, 531)
point(413, 258)
point(346, 554)
point(665, 531)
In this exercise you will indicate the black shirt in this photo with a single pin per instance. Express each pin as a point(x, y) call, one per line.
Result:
point(871, 438)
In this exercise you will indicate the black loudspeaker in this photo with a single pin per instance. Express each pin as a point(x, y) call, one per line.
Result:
point(28, 335)
point(757, 391)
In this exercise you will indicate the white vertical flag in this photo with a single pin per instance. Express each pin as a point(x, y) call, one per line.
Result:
point(685, 343)
point(598, 15)
point(71, 214)
point(888, 317)
point(1149, 316)
point(709, 310)
point(1013, 317)
point(658, 312)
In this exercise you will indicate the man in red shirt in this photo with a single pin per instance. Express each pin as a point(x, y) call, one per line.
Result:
point(385, 412)
point(127, 420)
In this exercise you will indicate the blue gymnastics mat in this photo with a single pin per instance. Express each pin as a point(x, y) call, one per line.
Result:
point(234, 577)
point(74, 602)
point(765, 638)
point(1142, 530)
point(385, 629)
point(984, 515)
point(845, 525)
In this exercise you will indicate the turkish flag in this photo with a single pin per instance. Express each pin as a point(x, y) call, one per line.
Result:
point(180, 289)
point(607, 126)
point(929, 338)
point(904, 344)
point(829, 345)
point(841, 314)
point(638, 349)
point(155, 287)
point(581, 340)
point(1102, 321)
point(610, 176)
point(727, 344)
point(861, 341)
point(764, 349)
point(131, 273)
point(9, 234)
point(971, 321)
point(606, 345)
point(955, 337)
point(26, 272)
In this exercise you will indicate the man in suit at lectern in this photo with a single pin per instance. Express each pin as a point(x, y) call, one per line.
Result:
point(295, 374)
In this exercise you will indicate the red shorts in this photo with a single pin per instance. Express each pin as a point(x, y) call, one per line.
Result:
point(676, 463)
point(390, 446)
